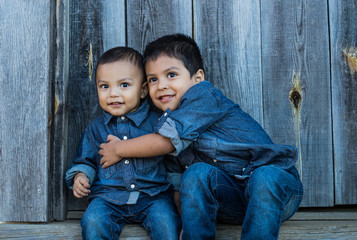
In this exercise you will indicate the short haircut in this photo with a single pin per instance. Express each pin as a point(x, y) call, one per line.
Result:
point(122, 54)
point(178, 46)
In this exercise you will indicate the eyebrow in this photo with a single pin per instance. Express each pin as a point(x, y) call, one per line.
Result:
point(166, 70)
point(120, 80)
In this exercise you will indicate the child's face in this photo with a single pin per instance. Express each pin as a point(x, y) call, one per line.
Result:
point(120, 87)
point(168, 81)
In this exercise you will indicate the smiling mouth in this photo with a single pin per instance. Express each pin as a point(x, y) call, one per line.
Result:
point(166, 98)
point(116, 104)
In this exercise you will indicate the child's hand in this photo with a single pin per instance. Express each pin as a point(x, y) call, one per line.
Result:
point(108, 151)
point(81, 185)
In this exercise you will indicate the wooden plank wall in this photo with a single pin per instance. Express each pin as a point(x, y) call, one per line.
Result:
point(290, 64)
point(296, 89)
point(343, 28)
point(25, 109)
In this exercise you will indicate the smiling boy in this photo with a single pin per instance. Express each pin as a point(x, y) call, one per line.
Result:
point(134, 190)
point(234, 172)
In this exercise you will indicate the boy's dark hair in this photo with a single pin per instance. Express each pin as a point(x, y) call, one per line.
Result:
point(178, 46)
point(122, 54)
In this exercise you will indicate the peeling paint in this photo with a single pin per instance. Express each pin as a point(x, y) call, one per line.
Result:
point(296, 99)
point(56, 103)
point(90, 62)
point(350, 56)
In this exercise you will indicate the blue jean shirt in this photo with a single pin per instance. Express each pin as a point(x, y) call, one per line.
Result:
point(123, 182)
point(209, 127)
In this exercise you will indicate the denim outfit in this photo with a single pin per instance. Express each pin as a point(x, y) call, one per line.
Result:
point(235, 173)
point(133, 190)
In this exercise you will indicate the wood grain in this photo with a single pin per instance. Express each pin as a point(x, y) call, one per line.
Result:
point(25, 58)
point(343, 18)
point(295, 62)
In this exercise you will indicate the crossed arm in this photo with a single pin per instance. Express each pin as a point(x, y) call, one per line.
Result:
point(149, 145)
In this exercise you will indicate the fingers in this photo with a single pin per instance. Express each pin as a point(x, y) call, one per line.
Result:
point(81, 187)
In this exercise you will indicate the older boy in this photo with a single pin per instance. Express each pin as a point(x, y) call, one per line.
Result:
point(134, 190)
point(235, 173)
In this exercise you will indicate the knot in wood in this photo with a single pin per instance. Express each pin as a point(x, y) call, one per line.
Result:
point(295, 98)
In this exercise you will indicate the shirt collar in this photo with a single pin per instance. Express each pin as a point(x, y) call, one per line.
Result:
point(137, 116)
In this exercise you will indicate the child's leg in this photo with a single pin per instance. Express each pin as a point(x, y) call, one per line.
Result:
point(274, 196)
point(98, 221)
point(162, 220)
point(206, 192)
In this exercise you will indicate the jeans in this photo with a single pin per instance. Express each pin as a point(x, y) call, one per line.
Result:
point(270, 196)
point(158, 215)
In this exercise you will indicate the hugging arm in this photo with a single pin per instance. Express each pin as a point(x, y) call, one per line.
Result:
point(149, 145)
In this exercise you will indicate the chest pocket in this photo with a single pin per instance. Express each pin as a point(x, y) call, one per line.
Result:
point(207, 146)
point(146, 165)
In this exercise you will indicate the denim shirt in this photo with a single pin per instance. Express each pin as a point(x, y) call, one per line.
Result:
point(122, 182)
point(209, 127)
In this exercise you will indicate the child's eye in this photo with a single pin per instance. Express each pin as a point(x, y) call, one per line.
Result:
point(152, 80)
point(124, 85)
point(171, 75)
point(103, 86)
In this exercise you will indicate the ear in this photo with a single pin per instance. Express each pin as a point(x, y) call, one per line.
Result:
point(144, 90)
point(199, 76)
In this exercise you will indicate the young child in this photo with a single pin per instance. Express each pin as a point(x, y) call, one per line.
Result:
point(134, 190)
point(234, 172)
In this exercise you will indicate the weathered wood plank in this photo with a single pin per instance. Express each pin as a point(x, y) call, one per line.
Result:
point(59, 122)
point(95, 26)
point(329, 224)
point(228, 34)
point(25, 97)
point(295, 63)
point(151, 19)
point(343, 19)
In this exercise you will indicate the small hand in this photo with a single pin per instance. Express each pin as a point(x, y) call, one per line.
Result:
point(108, 151)
point(81, 185)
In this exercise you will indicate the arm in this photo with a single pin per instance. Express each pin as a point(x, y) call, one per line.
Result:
point(149, 145)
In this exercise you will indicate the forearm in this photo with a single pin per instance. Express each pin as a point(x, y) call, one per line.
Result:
point(149, 145)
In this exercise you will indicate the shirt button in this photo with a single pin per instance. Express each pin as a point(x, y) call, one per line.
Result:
point(243, 169)
point(126, 162)
point(132, 186)
point(215, 160)
point(122, 118)
point(165, 114)
point(125, 138)
point(186, 167)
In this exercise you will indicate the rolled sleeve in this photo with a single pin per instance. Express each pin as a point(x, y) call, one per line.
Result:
point(167, 128)
point(87, 170)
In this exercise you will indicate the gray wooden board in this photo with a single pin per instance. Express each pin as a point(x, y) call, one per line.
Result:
point(343, 31)
point(151, 19)
point(70, 229)
point(59, 121)
point(228, 34)
point(94, 27)
point(295, 46)
point(25, 68)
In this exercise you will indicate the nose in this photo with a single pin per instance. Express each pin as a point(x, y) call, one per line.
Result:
point(114, 92)
point(163, 84)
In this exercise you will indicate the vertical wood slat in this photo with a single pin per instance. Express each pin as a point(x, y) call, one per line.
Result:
point(151, 19)
point(228, 34)
point(95, 26)
point(25, 100)
point(295, 50)
point(343, 19)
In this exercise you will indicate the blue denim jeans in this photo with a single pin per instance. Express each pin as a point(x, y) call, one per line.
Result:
point(158, 215)
point(270, 196)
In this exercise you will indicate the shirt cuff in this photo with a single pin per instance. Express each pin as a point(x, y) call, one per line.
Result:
point(174, 179)
point(87, 170)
